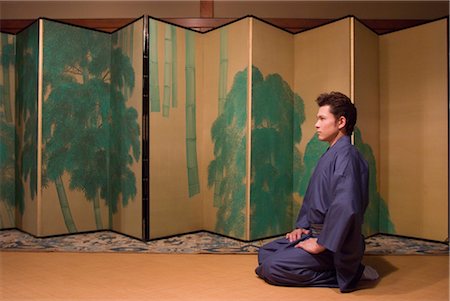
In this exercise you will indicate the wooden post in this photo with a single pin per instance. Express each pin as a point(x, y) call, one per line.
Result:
point(206, 8)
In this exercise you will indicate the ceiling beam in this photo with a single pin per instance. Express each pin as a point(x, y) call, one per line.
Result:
point(206, 9)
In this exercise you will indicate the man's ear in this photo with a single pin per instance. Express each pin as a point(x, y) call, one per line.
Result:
point(342, 121)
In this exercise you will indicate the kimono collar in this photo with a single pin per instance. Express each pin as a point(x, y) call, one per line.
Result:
point(341, 142)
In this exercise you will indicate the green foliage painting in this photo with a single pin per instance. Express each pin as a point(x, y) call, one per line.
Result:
point(7, 132)
point(223, 68)
point(229, 136)
point(75, 114)
point(223, 81)
point(274, 106)
point(26, 113)
point(314, 150)
point(84, 106)
point(377, 218)
point(124, 128)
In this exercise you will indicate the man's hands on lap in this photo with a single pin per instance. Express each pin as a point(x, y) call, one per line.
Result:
point(296, 234)
point(310, 245)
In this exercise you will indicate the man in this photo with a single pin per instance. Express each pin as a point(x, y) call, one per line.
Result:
point(326, 248)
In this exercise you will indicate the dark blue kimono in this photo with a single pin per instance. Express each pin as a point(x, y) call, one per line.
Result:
point(333, 210)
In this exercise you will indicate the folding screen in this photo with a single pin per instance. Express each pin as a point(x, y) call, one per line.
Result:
point(367, 133)
point(251, 180)
point(73, 129)
point(175, 200)
point(414, 129)
point(26, 107)
point(196, 181)
point(125, 151)
point(231, 138)
point(223, 129)
point(78, 129)
point(7, 132)
point(277, 112)
point(322, 64)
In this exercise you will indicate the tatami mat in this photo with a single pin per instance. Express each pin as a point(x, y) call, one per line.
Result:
point(125, 276)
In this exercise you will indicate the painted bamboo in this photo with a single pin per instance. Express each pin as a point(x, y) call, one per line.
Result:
point(64, 204)
point(154, 78)
point(191, 138)
point(167, 69)
point(223, 76)
point(174, 67)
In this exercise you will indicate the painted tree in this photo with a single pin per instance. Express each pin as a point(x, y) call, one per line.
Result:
point(7, 135)
point(274, 106)
point(124, 38)
point(78, 119)
point(7, 62)
point(229, 137)
point(223, 68)
point(314, 150)
point(75, 110)
point(124, 133)
point(223, 85)
point(27, 48)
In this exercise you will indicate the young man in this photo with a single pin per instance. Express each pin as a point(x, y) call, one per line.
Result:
point(326, 248)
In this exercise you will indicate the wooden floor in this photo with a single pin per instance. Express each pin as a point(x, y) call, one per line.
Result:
point(113, 276)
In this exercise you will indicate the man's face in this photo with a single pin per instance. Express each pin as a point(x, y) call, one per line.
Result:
point(327, 125)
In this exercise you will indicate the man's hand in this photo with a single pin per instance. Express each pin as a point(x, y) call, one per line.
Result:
point(296, 234)
point(310, 245)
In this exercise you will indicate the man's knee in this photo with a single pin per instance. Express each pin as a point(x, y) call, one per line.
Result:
point(269, 250)
point(273, 269)
point(281, 269)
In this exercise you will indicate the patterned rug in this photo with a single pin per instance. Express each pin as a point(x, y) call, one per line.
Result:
point(198, 243)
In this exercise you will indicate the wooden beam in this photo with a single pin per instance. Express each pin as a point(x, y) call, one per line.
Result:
point(206, 8)
point(203, 24)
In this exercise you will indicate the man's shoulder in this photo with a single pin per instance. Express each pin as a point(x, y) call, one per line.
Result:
point(348, 156)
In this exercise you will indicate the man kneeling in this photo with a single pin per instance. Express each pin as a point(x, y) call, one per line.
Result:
point(326, 248)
